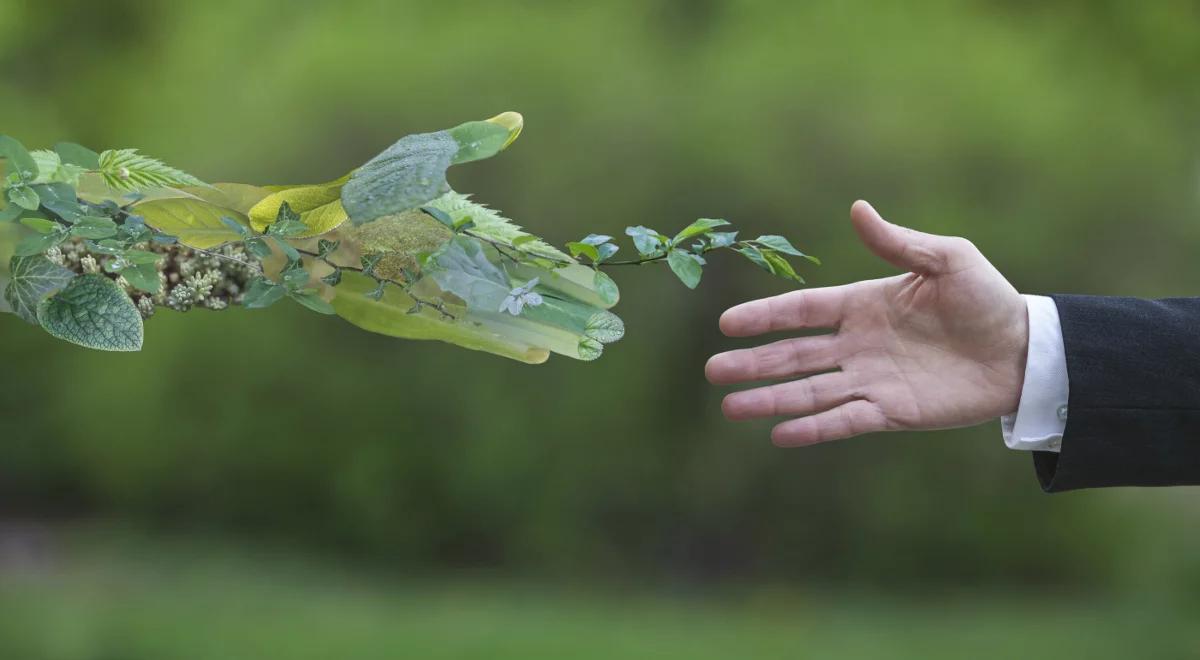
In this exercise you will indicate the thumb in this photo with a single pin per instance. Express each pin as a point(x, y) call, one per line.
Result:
point(908, 249)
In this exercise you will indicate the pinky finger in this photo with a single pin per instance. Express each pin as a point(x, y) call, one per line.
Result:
point(845, 421)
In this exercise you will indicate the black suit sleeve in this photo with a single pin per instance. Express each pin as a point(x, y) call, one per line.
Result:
point(1133, 412)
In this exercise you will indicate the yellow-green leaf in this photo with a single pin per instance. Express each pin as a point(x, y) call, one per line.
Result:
point(319, 206)
point(240, 197)
point(195, 222)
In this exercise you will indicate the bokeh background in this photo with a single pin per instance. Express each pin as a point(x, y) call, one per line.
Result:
point(277, 484)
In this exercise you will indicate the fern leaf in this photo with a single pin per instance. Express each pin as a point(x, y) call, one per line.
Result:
point(125, 170)
point(489, 224)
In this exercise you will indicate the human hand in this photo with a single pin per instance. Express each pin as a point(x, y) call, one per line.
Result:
point(941, 346)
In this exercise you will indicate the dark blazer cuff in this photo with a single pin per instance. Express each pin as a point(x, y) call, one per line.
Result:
point(1119, 447)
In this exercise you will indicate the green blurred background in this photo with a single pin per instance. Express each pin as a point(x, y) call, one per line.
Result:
point(277, 484)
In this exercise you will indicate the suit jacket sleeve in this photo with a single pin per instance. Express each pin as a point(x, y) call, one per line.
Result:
point(1133, 410)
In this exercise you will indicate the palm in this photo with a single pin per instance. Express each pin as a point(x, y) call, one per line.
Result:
point(940, 346)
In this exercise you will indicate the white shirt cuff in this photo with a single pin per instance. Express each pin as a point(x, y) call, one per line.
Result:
point(1041, 417)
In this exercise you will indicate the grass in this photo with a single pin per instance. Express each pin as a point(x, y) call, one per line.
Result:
point(141, 599)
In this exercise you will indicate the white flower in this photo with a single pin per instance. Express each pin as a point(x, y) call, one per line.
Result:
point(521, 296)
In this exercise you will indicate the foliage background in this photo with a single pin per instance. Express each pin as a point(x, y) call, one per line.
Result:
point(1061, 137)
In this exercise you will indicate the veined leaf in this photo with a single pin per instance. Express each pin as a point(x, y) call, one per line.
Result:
point(701, 226)
point(412, 171)
point(781, 244)
point(390, 316)
point(126, 170)
point(463, 269)
point(196, 223)
point(18, 158)
point(94, 312)
point(686, 267)
point(239, 197)
point(490, 225)
point(33, 279)
point(320, 207)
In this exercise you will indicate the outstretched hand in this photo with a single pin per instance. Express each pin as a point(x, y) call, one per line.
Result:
point(941, 346)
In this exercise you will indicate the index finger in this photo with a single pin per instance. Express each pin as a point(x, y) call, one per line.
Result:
point(807, 308)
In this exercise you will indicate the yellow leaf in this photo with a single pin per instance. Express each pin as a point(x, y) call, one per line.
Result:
point(319, 206)
point(195, 222)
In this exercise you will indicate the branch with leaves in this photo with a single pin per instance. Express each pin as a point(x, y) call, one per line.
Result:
point(108, 238)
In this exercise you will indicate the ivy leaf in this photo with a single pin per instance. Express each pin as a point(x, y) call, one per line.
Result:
point(701, 226)
point(262, 293)
point(287, 223)
point(685, 266)
point(326, 248)
point(412, 172)
point(647, 241)
point(334, 278)
point(33, 279)
point(310, 299)
point(781, 244)
point(25, 197)
point(94, 227)
point(125, 170)
point(80, 156)
point(94, 312)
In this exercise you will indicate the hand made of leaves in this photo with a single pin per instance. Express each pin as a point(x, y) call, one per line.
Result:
point(390, 247)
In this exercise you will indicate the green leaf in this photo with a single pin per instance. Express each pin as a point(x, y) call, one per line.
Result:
point(94, 227)
point(647, 241)
point(781, 244)
point(33, 279)
point(41, 225)
point(60, 199)
point(311, 300)
point(478, 140)
point(701, 226)
point(577, 248)
point(196, 223)
point(607, 288)
point(492, 226)
point(38, 243)
point(464, 270)
point(142, 257)
point(19, 160)
point(686, 267)
point(94, 312)
point(722, 239)
point(143, 277)
point(234, 225)
point(756, 256)
point(439, 215)
point(25, 197)
point(258, 247)
point(290, 252)
point(262, 293)
point(74, 154)
point(780, 266)
point(125, 170)
point(412, 171)
point(295, 277)
point(318, 208)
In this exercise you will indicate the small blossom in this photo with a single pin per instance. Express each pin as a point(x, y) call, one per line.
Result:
point(521, 296)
